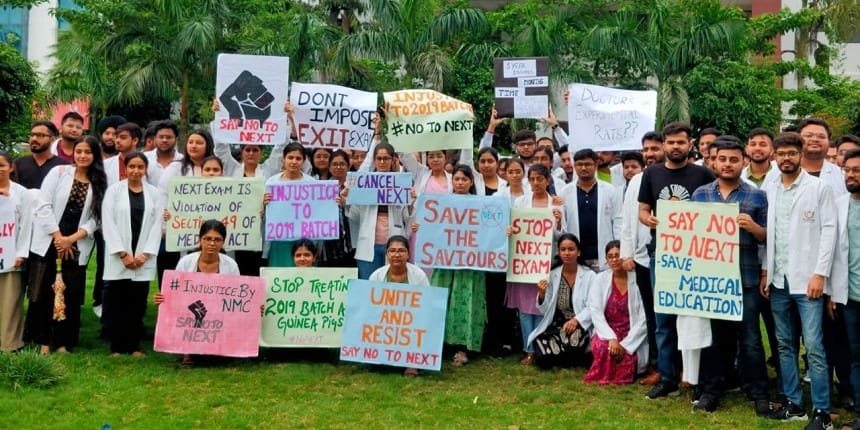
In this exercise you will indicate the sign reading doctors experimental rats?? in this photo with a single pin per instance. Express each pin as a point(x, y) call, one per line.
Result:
point(304, 306)
point(208, 313)
point(697, 260)
point(331, 116)
point(251, 91)
point(462, 232)
point(236, 202)
point(395, 324)
point(426, 120)
point(610, 119)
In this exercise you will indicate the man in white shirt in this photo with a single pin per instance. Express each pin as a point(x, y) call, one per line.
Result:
point(165, 151)
point(816, 140)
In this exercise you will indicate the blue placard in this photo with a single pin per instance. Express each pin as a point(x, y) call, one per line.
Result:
point(302, 209)
point(462, 231)
point(379, 188)
point(395, 324)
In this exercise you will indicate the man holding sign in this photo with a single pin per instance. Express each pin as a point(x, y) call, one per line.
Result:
point(717, 359)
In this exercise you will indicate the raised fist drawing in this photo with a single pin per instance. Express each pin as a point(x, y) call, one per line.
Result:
point(247, 98)
point(199, 310)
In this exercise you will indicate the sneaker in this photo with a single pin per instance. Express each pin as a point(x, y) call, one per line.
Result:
point(807, 378)
point(663, 389)
point(763, 408)
point(695, 394)
point(789, 412)
point(820, 421)
point(97, 310)
point(706, 403)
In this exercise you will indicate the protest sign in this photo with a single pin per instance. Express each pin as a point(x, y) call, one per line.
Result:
point(462, 231)
point(302, 209)
point(609, 119)
point(208, 313)
point(8, 236)
point(425, 120)
point(395, 324)
point(522, 87)
point(331, 116)
point(379, 188)
point(530, 244)
point(697, 260)
point(236, 202)
point(305, 306)
point(251, 92)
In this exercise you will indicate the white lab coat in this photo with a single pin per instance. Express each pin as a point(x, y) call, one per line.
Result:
point(634, 235)
point(398, 223)
point(236, 169)
point(609, 217)
point(581, 286)
point(226, 265)
point(812, 232)
point(635, 341)
point(839, 271)
point(53, 197)
point(155, 170)
point(414, 275)
point(467, 158)
point(112, 169)
point(22, 201)
point(116, 227)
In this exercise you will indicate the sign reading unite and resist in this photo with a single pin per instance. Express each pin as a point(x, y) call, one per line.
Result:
point(697, 260)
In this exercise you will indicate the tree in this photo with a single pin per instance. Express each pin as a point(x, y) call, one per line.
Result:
point(17, 94)
point(663, 40)
point(419, 35)
point(734, 96)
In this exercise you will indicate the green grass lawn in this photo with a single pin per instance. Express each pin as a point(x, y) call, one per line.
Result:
point(291, 392)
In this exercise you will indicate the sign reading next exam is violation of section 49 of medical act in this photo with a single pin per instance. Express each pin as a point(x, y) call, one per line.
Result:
point(697, 260)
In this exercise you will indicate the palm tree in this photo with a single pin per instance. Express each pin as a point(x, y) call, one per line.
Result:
point(661, 40)
point(419, 35)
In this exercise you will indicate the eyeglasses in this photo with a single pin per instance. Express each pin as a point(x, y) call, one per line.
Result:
point(526, 143)
point(613, 256)
point(383, 159)
point(821, 136)
point(211, 239)
point(851, 170)
point(787, 154)
point(338, 164)
point(397, 251)
point(40, 135)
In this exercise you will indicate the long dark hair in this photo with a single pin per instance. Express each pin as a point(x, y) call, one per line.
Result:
point(187, 163)
point(556, 260)
point(209, 225)
point(543, 171)
point(96, 174)
point(382, 147)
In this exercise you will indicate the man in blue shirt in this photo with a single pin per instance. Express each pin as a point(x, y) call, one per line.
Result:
point(717, 359)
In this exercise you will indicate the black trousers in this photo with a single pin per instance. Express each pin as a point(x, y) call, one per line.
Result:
point(500, 329)
point(41, 328)
point(718, 360)
point(165, 261)
point(98, 287)
point(646, 291)
point(123, 312)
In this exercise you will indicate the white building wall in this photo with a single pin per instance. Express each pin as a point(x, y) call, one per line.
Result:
point(42, 36)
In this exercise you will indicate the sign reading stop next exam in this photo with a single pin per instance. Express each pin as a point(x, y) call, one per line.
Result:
point(697, 260)
point(236, 202)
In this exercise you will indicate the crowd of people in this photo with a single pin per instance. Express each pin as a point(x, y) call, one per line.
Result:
point(799, 248)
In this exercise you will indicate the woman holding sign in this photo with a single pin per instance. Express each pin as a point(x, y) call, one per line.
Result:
point(280, 252)
point(514, 188)
point(339, 252)
point(209, 259)
point(16, 205)
point(400, 270)
point(521, 296)
point(376, 223)
point(619, 341)
point(561, 338)
point(69, 212)
point(467, 305)
point(132, 231)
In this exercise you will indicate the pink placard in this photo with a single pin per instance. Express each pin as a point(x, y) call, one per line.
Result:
point(209, 314)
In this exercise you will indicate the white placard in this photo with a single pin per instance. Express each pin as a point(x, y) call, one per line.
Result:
point(520, 68)
point(332, 116)
point(8, 230)
point(609, 119)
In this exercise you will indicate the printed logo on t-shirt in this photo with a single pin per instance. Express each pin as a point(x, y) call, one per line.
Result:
point(674, 192)
point(808, 216)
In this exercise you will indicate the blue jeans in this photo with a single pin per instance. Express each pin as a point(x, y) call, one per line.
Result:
point(366, 268)
point(667, 340)
point(786, 307)
point(852, 325)
point(753, 367)
point(528, 323)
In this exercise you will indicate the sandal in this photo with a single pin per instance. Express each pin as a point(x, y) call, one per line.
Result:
point(528, 360)
point(186, 361)
point(411, 372)
point(460, 358)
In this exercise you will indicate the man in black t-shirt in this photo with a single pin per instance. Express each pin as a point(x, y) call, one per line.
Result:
point(29, 171)
point(675, 179)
